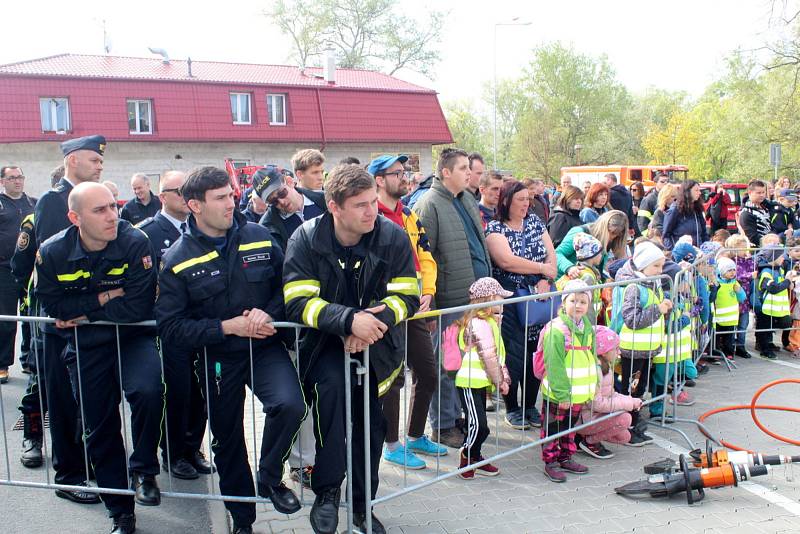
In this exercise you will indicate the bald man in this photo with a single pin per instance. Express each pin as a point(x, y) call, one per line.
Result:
point(144, 204)
point(101, 269)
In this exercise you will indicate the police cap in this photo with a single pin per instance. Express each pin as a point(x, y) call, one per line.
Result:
point(95, 143)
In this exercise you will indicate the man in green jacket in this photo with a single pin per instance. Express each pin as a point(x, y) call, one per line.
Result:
point(452, 222)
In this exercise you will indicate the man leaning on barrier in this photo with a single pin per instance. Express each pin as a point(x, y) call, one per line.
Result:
point(220, 291)
point(101, 269)
point(350, 276)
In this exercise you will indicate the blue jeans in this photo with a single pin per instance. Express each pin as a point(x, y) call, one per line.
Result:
point(741, 329)
point(445, 404)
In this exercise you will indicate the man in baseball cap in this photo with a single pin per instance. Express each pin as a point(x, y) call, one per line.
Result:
point(382, 163)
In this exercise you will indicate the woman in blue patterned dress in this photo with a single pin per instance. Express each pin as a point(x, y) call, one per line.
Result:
point(522, 256)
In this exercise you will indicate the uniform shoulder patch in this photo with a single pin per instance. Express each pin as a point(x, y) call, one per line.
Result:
point(147, 262)
point(23, 241)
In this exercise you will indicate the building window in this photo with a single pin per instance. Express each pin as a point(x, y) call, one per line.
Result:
point(239, 163)
point(276, 104)
point(140, 117)
point(240, 108)
point(55, 114)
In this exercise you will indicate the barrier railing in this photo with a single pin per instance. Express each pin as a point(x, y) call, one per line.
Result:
point(359, 369)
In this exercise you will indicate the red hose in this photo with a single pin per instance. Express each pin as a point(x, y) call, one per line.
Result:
point(753, 407)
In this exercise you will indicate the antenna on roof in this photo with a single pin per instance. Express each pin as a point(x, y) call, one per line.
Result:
point(161, 52)
point(189, 64)
point(106, 39)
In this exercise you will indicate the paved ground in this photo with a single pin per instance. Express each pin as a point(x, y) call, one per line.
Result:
point(520, 500)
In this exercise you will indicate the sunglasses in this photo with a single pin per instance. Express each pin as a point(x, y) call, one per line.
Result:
point(176, 190)
point(279, 195)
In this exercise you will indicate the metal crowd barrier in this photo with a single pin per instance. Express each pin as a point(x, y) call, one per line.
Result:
point(362, 372)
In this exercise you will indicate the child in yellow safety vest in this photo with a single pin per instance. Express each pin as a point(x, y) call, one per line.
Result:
point(570, 379)
point(482, 369)
point(772, 298)
point(726, 298)
point(642, 332)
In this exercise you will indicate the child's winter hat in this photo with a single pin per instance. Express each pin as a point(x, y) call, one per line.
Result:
point(725, 265)
point(684, 252)
point(586, 246)
point(606, 339)
point(487, 287)
point(577, 284)
point(710, 248)
point(646, 254)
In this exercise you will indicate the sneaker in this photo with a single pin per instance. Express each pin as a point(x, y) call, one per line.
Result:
point(487, 470)
point(450, 437)
point(573, 467)
point(689, 383)
point(463, 462)
point(595, 450)
point(402, 457)
point(553, 472)
point(302, 475)
point(683, 399)
point(533, 417)
point(638, 439)
point(424, 445)
point(517, 420)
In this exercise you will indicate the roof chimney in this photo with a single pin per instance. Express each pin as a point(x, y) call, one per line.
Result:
point(161, 52)
point(329, 66)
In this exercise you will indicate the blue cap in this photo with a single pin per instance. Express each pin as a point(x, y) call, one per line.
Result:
point(95, 143)
point(381, 163)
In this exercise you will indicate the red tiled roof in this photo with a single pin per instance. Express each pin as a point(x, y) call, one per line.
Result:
point(135, 68)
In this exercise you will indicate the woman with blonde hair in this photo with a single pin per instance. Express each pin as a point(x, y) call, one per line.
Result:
point(666, 197)
point(566, 214)
point(611, 229)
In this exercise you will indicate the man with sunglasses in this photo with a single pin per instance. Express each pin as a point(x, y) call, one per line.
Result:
point(186, 414)
point(288, 206)
point(15, 205)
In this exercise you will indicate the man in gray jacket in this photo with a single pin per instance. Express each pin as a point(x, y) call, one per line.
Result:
point(452, 222)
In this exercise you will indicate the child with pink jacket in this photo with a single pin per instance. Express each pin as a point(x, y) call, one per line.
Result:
point(606, 400)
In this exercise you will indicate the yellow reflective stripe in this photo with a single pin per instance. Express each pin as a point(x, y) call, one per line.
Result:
point(254, 245)
point(194, 261)
point(119, 270)
point(404, 285)
point(311, 311)
point(644, 213)
point(71, 277)
point(300, 288)
point(384, 386)
point(397, 305)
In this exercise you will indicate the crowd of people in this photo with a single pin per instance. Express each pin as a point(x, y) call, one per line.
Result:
point(353, 254)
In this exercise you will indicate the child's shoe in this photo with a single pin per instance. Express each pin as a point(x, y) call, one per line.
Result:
point(552, 472)
point(487, 470)
point(466, 475)
point(517, 420)
point(573, 467)
point(596, 450)
point(683, 399)
point(403, 457)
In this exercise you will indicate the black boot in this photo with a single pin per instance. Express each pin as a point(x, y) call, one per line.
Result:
point(32, 440)
point(123, 524)
point(741, 352)
point(325, 511)
point(147, 492)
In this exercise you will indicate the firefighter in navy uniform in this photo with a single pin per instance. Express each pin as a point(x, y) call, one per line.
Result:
point(83, 162)
point(186, 408)
point(220, 288)
point(101, 269)
point(350, 276)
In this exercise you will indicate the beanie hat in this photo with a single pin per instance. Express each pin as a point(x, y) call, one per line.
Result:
point(577, 285)
point(725, 265)
point(710, 248)
point(586, 246)
point(684, 252)
point(769, 254)
point(646, 254)
point(487, 287)
point(606, 339)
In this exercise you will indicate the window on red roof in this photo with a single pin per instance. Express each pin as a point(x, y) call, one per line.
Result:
point(55, 114)
point(140, 117)
point(240, 108)
point(276, 104)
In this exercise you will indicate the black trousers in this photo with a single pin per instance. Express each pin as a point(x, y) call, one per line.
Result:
point(519, 359)
point(276, 385)
point(724, 340)
point(765, 325)
point(97, 374)
point(30, 404)
point(474, 402)
point(9, 299)
point(324, 383)
point(185, 423)
point(69, 460)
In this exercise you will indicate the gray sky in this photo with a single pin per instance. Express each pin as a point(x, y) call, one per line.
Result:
point(695, 35)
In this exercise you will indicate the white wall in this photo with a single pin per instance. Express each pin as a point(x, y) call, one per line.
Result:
point(124, 159)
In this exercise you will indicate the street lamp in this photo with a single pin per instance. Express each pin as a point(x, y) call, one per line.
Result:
point(512, 22)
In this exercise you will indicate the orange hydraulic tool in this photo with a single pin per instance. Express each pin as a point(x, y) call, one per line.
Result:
point(709, 458)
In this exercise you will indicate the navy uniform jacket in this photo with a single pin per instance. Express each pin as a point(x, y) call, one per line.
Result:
point(162, 234)
point(135, 212)
point(200, 286)
point(24, 252)
point(50, 214)
point(12, 211)
point(68, 284)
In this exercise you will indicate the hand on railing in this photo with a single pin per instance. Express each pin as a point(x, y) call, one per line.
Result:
point(353, 344)
point(70, 323)
point(258, 326)
point(367, 327)
point(425, 303)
